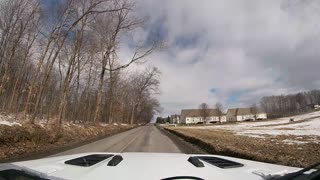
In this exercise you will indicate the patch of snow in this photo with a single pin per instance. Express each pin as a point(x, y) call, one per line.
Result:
point(42, 122)
point(103, 124)
point(289, 141)
point(296, 132)
point(42, 125)
point(252, 135)
point(8, 120)
point(8, 123)
point(275, 127)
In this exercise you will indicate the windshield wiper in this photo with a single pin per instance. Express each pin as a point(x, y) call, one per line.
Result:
point(298, 173)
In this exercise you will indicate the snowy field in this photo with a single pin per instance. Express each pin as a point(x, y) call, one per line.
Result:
point(304, 129)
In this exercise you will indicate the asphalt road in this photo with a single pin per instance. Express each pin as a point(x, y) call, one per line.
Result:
point(142, 139)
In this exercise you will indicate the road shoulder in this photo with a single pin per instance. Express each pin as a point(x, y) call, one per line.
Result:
point(183, 145)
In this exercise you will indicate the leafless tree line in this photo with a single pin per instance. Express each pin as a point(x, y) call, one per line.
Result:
point(283, 105)
point(62, 62)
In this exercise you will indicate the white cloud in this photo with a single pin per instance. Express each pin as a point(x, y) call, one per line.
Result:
point(243, 49)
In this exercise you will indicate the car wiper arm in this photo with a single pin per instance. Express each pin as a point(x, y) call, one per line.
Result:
point(298, 173)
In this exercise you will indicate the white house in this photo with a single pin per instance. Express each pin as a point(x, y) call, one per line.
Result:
point(244, 114)
point(175, 119)
point(192, 116)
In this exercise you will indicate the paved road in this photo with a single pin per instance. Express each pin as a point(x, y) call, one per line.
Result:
point(142, 139)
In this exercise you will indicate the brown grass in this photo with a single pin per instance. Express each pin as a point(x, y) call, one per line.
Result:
point(270, 149)
point(19, 141)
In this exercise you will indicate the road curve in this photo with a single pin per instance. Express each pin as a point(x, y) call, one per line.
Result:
point(142, 139)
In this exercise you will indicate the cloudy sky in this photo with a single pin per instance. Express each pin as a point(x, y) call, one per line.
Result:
point(232, 51)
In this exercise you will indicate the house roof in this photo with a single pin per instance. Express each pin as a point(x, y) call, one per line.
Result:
point(243, 111)
point(232, 112)
point(196, 112)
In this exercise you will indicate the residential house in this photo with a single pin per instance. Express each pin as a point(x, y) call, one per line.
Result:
point(175, 119)
point(245, 114)
point(192, 116)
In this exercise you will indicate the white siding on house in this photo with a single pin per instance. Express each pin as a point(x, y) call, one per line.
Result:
point(192, 116)
point(251, 117)
point(213, 119)
point(224, 119)
point(175, 119)
point(262, 116)
point(239, 118)
point(216, 119)
point(245, 117)
point(230, 118)
point(243, 114)
point(195, 120)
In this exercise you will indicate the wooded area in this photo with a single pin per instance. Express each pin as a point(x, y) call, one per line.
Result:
point(60, 62)
point(284, 105)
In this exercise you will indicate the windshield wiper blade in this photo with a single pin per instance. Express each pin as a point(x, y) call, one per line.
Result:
point(298, 173)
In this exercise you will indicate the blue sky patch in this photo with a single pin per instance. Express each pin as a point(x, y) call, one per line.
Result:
point(213, 90)
point(188, 41)
point(157, 30)
point(234, 97)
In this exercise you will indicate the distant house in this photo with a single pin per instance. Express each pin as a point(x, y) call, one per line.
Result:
point(175, 119)
point(244, 114)
point(192, 116)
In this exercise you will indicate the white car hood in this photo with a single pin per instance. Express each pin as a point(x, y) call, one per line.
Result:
point(151, 166)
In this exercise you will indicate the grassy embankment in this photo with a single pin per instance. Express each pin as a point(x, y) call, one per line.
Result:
point(270, 149)
point(35, 141)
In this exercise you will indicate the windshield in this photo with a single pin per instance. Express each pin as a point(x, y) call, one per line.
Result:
point(238, 80)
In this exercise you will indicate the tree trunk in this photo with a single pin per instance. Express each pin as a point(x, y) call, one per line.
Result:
point(99, 96)
point(110, 118)
point(132, 115)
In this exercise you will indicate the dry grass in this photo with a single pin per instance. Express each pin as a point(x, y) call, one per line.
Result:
point(19, 141)
point(270, 149)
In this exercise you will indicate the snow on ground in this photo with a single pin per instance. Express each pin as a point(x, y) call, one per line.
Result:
point(103, 124)
point(305, 128)
point(289, 141)
point(8, 123)
point(260, 129)
point(4, 120)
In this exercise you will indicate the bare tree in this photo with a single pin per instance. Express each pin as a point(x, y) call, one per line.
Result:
point(73, 62)
point(62, 62)
point(17, 21)
point(219, 108)
point(62, 31)
point(109, 30)
point(204, 111)
point(284, 105)
point(254, 111)
point(143, 85)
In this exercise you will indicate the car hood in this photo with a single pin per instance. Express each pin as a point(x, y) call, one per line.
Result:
point(149, 166)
